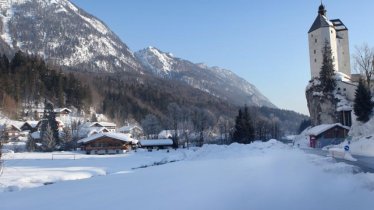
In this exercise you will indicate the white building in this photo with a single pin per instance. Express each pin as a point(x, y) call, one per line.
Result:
point(335, 34)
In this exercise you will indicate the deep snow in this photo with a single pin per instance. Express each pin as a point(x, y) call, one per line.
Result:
point(257, 176)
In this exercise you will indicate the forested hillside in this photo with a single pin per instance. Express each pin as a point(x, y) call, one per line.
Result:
point(25, 81)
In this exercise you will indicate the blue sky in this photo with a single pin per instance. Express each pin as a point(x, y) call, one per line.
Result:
point(265, 42)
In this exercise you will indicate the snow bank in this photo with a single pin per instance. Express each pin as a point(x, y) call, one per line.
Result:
point(341, 154)
point(30, 170)
point(361, 138)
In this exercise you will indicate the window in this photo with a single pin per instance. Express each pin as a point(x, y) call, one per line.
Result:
point(315, 60)
point(311, 35)
point(315, 40)
point(315, 51)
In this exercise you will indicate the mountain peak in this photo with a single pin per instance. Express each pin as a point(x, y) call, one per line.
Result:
point(160, 63)
point(216, 81)
point(65, 35)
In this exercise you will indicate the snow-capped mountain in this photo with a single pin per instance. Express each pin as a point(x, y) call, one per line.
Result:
point(214, 80)
point(63, 34)
point(67, 36)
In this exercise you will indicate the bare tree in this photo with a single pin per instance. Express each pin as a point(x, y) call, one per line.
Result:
point(151, 125)
point(201, 119)
point(75, 128)
point(224, 124)
point(364, 61)
point(175, 116)
point(185, 126)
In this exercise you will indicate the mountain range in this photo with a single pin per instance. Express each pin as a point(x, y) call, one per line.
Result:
point(67, 36)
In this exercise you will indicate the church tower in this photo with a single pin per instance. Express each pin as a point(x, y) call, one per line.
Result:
point(335, 34)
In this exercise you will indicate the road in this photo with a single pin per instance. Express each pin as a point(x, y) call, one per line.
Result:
point(366, 164)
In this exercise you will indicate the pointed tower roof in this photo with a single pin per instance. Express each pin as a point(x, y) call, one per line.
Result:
point(321, 20)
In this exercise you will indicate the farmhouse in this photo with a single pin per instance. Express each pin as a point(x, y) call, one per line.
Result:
point(60, 125)
point(134, 130)
point(30, 126)
point(107, 143)
point(327, 134)
point(13, 129)
point(87, 132)
point(60, 112)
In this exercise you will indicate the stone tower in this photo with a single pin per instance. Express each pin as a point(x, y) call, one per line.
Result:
point(335, 34)
point(335, 107)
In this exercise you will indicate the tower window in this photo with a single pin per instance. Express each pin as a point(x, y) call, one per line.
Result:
point(315, 40)
point(311, 35)
point(315, 60)
point(315, 51)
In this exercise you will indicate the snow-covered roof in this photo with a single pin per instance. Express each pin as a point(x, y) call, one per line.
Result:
point(156, 142)
point(320, 22)
point(118, 136)
point(15, 124)
point(169, 133)
point(317, 130)
point(33, 124)
point(340, 76)
point(128, 128)
point(103, 124)
point(86, 132)
point(58, 110)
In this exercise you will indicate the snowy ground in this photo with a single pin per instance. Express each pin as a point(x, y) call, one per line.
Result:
point(257, 176)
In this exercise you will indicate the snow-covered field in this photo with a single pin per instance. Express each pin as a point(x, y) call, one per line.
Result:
point(257, 176)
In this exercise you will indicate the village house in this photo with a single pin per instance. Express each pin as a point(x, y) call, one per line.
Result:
point(107, 143)
point(60, 125)
point(30, 126)
point(85, 132)
point(60, 112)
point(327, 134)
point(108, 125)
point(135, 131)
point(13, 130)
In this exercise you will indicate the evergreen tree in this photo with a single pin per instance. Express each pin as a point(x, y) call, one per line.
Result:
point(327, 72)
point(238, 133)
point(244, 130)
point(304, 124)
point(363, 105)
point(49, 128)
